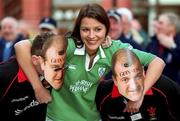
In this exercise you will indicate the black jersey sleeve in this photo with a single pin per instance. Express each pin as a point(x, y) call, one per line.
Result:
point(104, 89)
point(172, 91)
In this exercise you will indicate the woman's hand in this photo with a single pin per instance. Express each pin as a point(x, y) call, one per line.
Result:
point(42, 95)
point(107, 42)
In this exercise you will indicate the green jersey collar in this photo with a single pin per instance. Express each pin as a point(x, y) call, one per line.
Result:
point(81, 51)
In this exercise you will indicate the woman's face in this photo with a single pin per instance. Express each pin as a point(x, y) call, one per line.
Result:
point(92, 33)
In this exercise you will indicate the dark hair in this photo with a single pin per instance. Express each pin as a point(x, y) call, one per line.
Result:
point(94, 11)
point(126, 57)
point(43, 41)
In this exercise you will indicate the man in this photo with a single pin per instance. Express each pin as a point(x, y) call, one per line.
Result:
point(128, 84)
point(116, 29)
point(166, 43)
point(17, 99)
point(48, 24)
point(129, 33)
point(9, 36)
point(116, 33)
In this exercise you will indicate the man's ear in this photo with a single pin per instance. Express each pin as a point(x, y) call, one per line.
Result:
point(114, 80)
point(34, 59)
point(42, 63)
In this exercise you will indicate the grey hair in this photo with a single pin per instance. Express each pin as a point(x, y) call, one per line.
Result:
point(173, 20)
point(127, 12)
point(10, 19)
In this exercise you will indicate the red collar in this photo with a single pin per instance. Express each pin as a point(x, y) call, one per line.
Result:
point(21, 76)
point(115, 92)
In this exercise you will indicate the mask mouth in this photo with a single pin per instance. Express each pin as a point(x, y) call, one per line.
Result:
point(136, 90)
point(45, 84)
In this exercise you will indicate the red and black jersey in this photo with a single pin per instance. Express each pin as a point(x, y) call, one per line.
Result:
point(157, 105)
point(17, 99)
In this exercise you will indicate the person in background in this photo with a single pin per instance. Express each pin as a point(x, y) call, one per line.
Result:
point(129, 33)
point(116, 33)
point(166, 43)
point(25, 29)
point(116, 28)
point(47, 24)
point(135, 23)
point(127, 83)
point(17, 99)
point(9, 36)
point(87, 63)
point(0, 29)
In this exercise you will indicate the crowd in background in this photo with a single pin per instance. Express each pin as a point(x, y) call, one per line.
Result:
point(13, 31)
point(164, 43)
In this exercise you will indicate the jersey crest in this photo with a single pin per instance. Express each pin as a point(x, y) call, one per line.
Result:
point(101, 71)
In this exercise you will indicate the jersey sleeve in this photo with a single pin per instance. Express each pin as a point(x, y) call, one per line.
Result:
point(172, 92)
point(31, 40)
point(70, 48)
point(144, 57)
point(103, 90)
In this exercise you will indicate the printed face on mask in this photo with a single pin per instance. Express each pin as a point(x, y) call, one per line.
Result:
point(129, 81)
point(53, 66)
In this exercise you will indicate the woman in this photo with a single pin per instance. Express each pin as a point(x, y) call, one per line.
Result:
point(87, 63)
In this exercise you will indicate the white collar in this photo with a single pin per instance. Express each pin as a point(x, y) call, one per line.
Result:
point(81, 51)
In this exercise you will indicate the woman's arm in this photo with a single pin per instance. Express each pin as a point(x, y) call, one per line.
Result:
point(23, 55)
point(153, 73)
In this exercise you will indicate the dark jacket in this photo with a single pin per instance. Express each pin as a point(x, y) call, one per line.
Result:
point(170, 56)
point(157, 105)
point(17, 99)
point(130, 41)
point(3, 43)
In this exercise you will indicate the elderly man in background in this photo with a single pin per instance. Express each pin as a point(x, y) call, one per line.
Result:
point(9, 36)
point(166, 43)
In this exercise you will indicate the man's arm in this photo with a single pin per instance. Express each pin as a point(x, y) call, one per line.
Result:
point(23, 55)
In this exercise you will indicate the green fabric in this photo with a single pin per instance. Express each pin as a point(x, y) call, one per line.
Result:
point(75, 101)
point(31, 40)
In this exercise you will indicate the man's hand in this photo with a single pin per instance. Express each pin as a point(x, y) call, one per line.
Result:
point(133, 106)
point(107, 42)
point(166, 41)
point(42, 95)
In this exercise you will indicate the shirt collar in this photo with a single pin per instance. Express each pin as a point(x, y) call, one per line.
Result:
point(115, 92)
point(21, 76)
point(81, 51)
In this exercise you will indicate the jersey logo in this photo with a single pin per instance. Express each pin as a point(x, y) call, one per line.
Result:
point(152, 113)
point(80, 86)
point(116, 117)
point(70, 66)
point(101, 71)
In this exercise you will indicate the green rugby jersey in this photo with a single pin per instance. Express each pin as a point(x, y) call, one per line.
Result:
point(75, 101)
